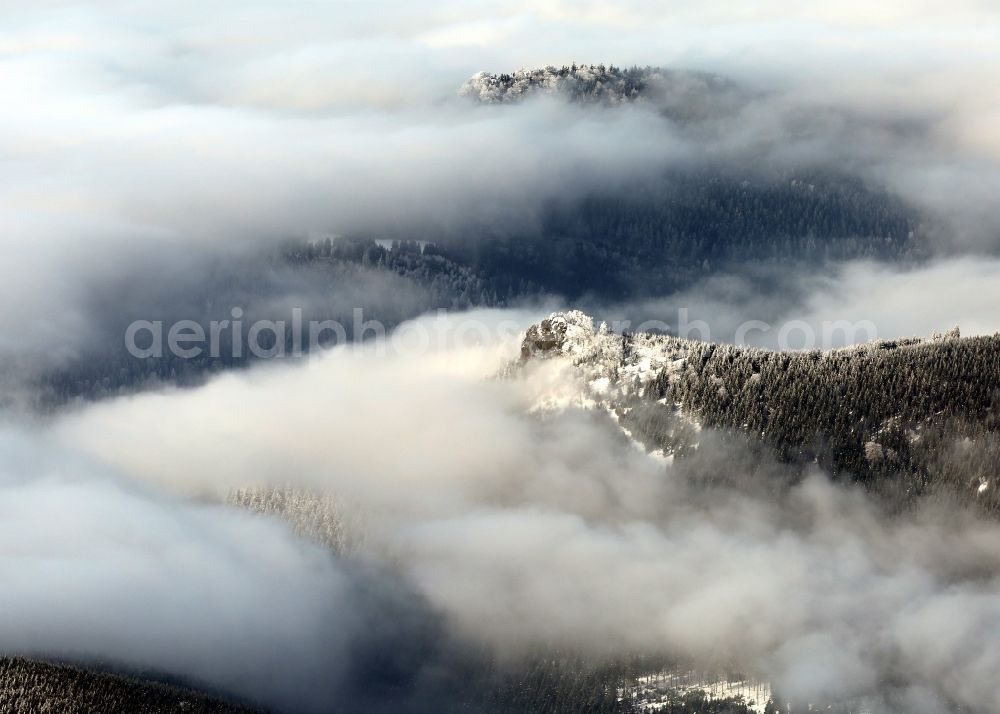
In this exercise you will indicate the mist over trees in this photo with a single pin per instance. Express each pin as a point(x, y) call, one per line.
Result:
point(906, 418)
point(682, 96)
point(641, 240)
point(642, 523)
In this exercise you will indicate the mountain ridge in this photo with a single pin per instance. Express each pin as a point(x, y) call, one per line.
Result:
point(909, 417)
point(682, 94)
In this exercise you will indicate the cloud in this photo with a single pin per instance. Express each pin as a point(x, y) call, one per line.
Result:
point(533, 532)
point(101, 194)
point(100, 569)
point(142, 147)
point(781, 306)
point(191, 134)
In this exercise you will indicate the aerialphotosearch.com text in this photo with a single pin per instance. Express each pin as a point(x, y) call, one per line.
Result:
point(237, 337)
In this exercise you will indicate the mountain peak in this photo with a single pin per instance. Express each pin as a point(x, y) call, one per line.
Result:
point(600, 84)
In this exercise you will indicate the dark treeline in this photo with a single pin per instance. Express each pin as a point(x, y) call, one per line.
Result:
point(539, 685)
point(904, 418)
point(661, 236)
point(28, 687)
point(652, 238)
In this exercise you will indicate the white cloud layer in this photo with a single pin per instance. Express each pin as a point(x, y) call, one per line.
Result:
point(185, 130)
point(779, 307)
point(100, 569)
point(528, 533)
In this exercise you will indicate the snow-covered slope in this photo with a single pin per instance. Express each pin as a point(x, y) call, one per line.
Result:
point(615, 372)
point(613, 364)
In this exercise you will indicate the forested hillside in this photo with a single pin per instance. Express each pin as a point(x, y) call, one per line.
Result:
point(654, 238)
point(550, 685)
point(28, 687)
point(904, 417)
point(661, 236)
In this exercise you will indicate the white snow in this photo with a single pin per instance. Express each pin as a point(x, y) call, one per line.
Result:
point(606, 368)
point(653, 691)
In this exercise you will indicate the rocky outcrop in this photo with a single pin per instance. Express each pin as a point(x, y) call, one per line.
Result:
point(543, 340)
